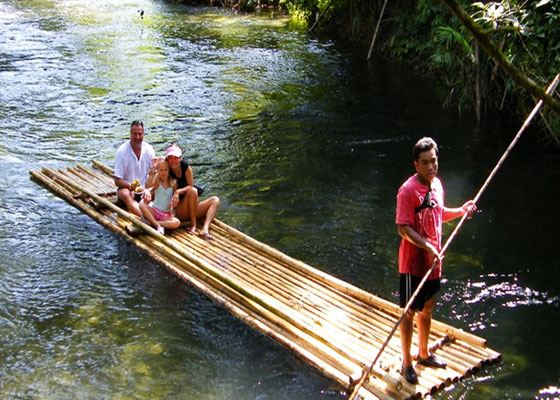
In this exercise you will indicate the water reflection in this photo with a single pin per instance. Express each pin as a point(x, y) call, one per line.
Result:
point(514, 294)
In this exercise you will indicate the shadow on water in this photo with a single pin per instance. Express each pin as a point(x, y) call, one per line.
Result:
point(305, 144)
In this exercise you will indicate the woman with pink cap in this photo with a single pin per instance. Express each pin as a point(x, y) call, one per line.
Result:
point(187, 206)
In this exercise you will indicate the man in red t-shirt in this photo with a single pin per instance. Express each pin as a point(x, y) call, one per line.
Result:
point(420, 214)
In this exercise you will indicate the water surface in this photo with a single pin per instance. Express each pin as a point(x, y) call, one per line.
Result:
point(306, 145)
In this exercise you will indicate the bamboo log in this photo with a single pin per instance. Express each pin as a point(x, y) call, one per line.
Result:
point(462, 354)
point(284, 289)
point(104, 179)
point(376, 29)
point(326, 335)
point(104, 168)
point(347, 288)
point(92, 184)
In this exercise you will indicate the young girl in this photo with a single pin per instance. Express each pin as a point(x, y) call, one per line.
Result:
point(160, 213)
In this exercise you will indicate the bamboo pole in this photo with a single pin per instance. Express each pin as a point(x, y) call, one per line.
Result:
point(288, 287)
point(92, 184)
point(345, 341)
point(319, 17)
point(103, 178)
point(376, 29)
point(104, 168)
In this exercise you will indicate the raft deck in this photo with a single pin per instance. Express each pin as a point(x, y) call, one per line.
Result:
point(331, 324)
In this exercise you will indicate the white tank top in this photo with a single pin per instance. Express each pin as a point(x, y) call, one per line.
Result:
point(162, 197)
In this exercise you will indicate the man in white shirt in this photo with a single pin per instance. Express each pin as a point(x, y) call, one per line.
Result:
point(132, 162)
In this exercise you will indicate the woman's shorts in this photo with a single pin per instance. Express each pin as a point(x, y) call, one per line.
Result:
point(161, 215)
point(409, 284)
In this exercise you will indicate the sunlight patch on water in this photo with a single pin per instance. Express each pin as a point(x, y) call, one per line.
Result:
point(551, 392)
point(511, 293)
point(478, 302)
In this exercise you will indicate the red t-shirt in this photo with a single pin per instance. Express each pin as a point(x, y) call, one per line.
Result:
point(427, 222)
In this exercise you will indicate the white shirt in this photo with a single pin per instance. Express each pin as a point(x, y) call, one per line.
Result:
point(128, 167)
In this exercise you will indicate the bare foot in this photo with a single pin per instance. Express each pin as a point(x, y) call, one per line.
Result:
point(192, 231)
point(205, 235)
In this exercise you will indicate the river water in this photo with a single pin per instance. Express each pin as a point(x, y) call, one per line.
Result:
point(306, 145)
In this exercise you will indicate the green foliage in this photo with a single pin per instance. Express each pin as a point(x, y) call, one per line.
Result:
point(498, 14)
point(453, 40)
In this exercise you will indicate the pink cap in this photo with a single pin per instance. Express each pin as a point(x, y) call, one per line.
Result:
point(174, 151)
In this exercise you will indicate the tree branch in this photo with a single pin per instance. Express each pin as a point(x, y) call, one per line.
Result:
point(503, 29)
point(482, 37)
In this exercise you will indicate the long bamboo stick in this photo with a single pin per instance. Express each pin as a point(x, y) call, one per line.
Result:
point(376, 29)
point(102, 178)
point(345, 343)
point(92, 184)
point(104, 168)
point(347, 288)
point(105, 187)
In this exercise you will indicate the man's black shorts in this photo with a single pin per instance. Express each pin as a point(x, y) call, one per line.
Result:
point(409, 284)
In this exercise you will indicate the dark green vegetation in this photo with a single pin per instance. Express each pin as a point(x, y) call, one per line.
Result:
point(425, 33)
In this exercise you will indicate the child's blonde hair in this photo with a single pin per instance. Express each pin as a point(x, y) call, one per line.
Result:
point(163, 160)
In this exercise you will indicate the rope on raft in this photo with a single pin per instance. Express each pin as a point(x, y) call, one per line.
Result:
point(500, 162)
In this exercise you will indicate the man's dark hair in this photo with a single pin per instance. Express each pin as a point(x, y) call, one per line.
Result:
point(424, 144)
point(137, 122)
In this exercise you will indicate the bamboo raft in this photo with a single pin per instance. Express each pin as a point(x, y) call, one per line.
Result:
point(331, 324)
